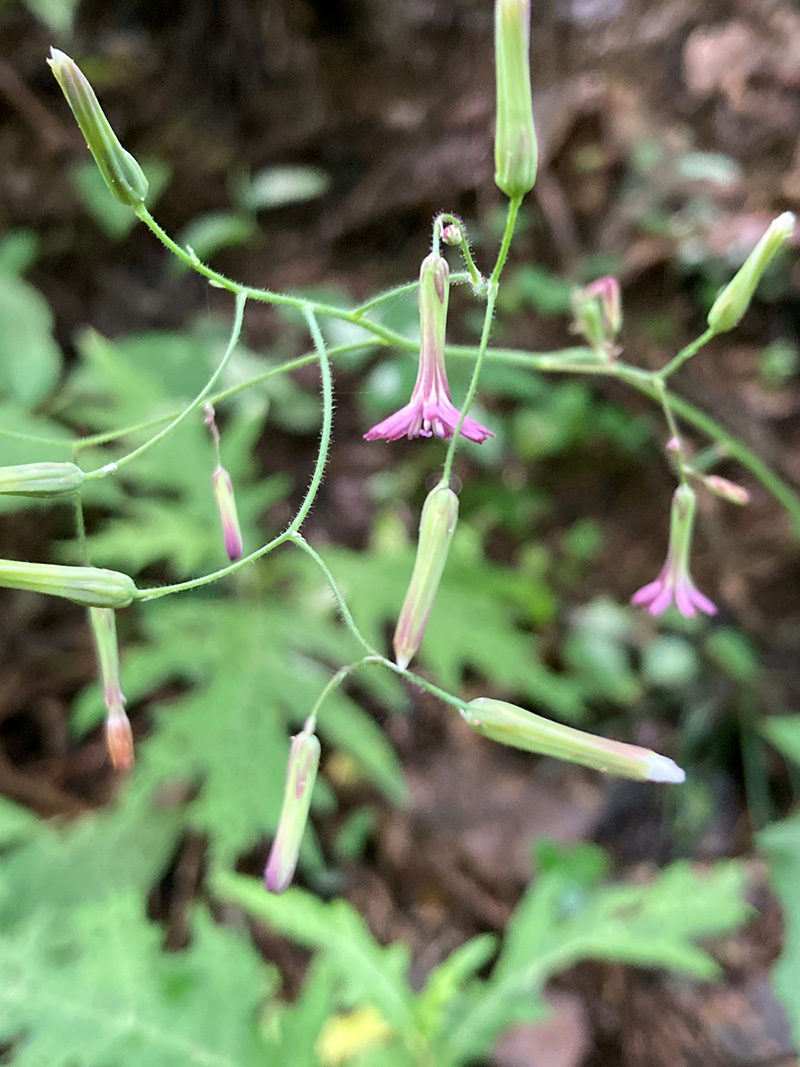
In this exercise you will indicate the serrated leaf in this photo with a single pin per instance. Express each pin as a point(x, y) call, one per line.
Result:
point(61, 866)
point(560, 921)
point(92, 987)
point(372, 974)
point(30, 359)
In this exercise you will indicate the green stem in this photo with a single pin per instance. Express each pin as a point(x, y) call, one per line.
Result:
point(334, 683)
point(265, 296)
point(444, 219)
point(316, 479)
point(111, 468)
point(684, 354)
point(511, 220)
point(346, 614)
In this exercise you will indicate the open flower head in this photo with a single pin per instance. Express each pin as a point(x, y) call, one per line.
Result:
point(431, 411)
point(674, 583)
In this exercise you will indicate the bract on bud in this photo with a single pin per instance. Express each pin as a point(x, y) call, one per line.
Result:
point(722, 487)
point(40, 479)
point(510, 725)
point(436, 527)
point(515, 150)
point(733, 301)
point(300, 777)
point(122, 174)
point(91, 586)
point(597, 308)
point(226, 505)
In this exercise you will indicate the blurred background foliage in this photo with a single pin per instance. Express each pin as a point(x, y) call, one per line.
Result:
point(306, 146)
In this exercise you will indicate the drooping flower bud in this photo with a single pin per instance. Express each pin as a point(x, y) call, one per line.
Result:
point(119, 738)
point(40, 479)
point(515, 149)
point(226, 505)
point(451, 235)
point(597, 308)
point(122, 174)
point(300, 777)
point(436, 527)
point(91, 586)
point(722, 487)
point(223, 494)
point(731, 304)
point(510, 725)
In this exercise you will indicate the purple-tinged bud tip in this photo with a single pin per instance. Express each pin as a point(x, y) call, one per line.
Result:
point(229, 518)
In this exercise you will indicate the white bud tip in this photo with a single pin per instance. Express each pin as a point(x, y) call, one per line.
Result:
point(785, 223)
point(663, 769)
point(402, 661)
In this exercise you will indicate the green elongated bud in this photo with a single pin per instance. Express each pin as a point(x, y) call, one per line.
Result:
point(300, 777)
point(436, 527)
point(516, 153)
point(731, 304)
point(122, 174)
point(92, 586)
point(514, 726)
point(40, 479)
point(119, 738)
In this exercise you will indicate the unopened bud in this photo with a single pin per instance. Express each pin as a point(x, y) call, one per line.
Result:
point(40, 479)
point(515, 148)
point(510, 725)
point(122, 174)
point(733, 301)
point(451, 235)
point(597, 308)
point(91, 586)
point(300, 777)
point(722, 487)
point(436, 527)
point(119, 739)
point(226, 505)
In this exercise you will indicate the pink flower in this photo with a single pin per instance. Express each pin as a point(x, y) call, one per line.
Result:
point(674, 583)
point(431, 410)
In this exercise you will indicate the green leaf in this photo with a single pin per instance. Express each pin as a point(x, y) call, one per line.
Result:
point(275, 187)
point(781, 842)
point(121, 849)
point(30, 359)
point(94, 986)
point(563, 918)
point(783, 732)
point(373, 974)
point(210, 233)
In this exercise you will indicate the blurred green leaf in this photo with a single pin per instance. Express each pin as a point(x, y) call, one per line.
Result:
point(276, 187)
point(212, 232)
point(30, 359)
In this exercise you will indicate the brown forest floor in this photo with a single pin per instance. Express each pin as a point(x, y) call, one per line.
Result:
point(394, 100)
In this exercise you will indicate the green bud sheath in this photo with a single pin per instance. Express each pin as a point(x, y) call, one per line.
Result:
point(436, 527)
point(515, 149)
point(40, 479)
point(510, 725)
point(91, 586)
point(731, 304)
point(300, 777)
point(122, 174)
